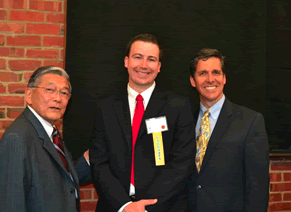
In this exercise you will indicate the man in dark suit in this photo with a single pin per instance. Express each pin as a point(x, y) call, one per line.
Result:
point(233, 154)
point(166, 132)
point(36, 174)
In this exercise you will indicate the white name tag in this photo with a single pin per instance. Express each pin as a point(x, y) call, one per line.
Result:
point(158, 124)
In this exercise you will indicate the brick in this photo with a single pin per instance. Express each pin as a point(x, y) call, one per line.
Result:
point(51, 29)
point(11, 27)
point(11, 101)
point(2, 113)
point(13, 4)
point(27, 76)
point(2, 64)
point(38, 53)
point(275, 197)
point(3, 15)
point(9, 77)
point(46, 6)
point(85, 194)
point(24, 40)
point(17, 65)
point(5, 124)
point(14, 112)
point(287, 196)
point(15, 15)
point(62, 29)
point(280, 187)
point(62, 54)
point(87, 186)
point(287, 176)
point(54, 63)
point(16, 88)
point(11, 52)
point(279, 206)
point(55, 18)
point(275, 177)
point(281, 166)
point(88, 206)
point(2, 39)
point(2, 89)
point(96, 196)
point(53, 41)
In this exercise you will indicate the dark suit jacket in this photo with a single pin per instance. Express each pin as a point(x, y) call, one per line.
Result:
point(32, 175)
point(234, 176)
point(110, 154)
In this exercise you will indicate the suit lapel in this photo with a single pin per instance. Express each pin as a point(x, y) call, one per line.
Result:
point(220, 127)
point(121, 108)
point(157, 101)
point(47, 143)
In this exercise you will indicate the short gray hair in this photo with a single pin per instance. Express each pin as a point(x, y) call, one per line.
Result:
point(38, 73)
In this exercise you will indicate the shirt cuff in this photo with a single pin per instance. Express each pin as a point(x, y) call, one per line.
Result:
point(121, 209)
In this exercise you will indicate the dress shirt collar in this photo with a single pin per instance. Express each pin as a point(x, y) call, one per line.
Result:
point(145, 94)
point(214, 110)
point(46, 125)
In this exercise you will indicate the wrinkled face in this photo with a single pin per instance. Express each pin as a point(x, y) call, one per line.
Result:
point(142, 65)
point(50, 106)
point(209, 81)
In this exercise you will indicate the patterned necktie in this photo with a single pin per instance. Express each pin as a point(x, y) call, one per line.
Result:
point(59, 147)
point(138, 114)
point(202, 139)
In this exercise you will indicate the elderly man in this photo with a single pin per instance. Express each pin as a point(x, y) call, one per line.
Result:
point(143, 146)
point(232, 146)
point(36, 171)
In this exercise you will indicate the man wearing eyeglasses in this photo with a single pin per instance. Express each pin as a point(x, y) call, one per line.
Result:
point(36, 172)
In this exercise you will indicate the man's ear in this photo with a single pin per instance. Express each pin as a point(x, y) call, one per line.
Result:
point(28, 95)
point(125, 61)
point(192, 81)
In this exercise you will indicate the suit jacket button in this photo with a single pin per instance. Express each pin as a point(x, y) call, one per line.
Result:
point(72, 190)
point(199, 187)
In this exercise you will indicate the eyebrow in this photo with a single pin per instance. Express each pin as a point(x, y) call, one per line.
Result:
point(51, 83)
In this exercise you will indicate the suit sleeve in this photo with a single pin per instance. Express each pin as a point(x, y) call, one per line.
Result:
point(257, 167)
point(104, 181)
point(14, 174)
point(169, 184)
point(83, 171)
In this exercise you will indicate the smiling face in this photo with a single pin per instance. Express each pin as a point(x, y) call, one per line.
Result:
point(209, 81)
point(50, 107)
point(142, 65)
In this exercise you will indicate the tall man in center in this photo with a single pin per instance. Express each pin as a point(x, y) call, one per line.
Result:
point(142, 148)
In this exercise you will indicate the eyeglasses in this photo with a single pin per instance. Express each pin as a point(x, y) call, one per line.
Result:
point(50, 90)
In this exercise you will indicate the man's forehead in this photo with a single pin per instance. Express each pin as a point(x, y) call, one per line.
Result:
point(140, 46)
point(54, 79)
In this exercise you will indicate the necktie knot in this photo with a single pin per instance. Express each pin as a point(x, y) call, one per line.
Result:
point(207, 113)
point(139, 97)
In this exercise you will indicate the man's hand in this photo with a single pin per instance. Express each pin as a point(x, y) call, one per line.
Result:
point(139, 206)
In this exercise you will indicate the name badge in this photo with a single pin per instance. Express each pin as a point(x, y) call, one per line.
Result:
point(156, 126)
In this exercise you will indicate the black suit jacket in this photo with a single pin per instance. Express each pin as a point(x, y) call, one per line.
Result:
point(110, 154)
point(234, 176)
point(32, 174)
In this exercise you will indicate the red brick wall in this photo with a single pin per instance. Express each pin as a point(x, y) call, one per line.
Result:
point(32, 35)
point(280, 185)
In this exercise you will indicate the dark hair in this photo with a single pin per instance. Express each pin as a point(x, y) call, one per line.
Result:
point(205, 54)
point(146, 38)
point(38, 73)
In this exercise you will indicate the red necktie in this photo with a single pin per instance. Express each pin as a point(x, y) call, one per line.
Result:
point(138, 114)
point(58, 142)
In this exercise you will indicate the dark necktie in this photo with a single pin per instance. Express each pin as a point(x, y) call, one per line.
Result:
point(59, 147)
point(138, 114)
